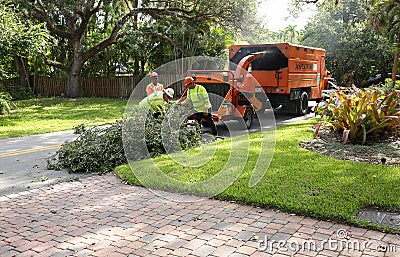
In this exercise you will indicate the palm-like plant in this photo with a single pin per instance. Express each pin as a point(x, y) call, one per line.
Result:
point(291, 30)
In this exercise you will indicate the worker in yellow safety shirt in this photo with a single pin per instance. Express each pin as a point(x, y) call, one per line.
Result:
point(198, 96)
point(158, 100)
point(154, 85)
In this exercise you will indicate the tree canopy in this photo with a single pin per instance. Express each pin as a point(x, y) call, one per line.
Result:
point(109, 37)
point(19, 38)
point(385, 16)
point(355, 51)
point(86, 29)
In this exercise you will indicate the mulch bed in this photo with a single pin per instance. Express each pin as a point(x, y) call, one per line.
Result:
point(328, 143)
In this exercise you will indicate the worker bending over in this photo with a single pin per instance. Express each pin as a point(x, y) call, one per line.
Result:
point(198, 96)
point(154, 85)
point(158, 100)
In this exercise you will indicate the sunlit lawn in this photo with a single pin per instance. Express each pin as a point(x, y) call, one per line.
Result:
point(297, 181)
point(43, 115)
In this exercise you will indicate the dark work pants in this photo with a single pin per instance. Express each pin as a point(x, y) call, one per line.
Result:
point(199, 115)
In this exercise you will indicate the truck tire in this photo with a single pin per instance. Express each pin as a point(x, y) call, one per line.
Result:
point(302, 104)
point(248, 118)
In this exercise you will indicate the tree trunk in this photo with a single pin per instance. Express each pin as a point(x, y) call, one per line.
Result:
point(143, 63)
point(73, 85)
point(395, 67)
point(136, 66)
point(22, 65)
point(74, 73)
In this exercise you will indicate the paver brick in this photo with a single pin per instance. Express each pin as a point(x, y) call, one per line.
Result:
point(308, 222)
point(216, 242)
point(235, 243)
point(100, 216)
point(84, 253)
point(181, 252)
point(224, 250)
point(203, 251)
point(246, 250)
point(207, 236)
point(245, 235)
point(28, 246)
point(194, 244)
point(274, 225)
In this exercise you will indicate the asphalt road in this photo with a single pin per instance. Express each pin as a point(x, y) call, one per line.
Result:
point(23, 160)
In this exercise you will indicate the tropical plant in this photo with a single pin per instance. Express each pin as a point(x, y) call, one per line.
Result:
point(362, 115)
point(291, 33)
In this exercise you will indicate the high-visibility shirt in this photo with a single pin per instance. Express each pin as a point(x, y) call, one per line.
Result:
point(151, 88)
point(199, 98)
point(154, 102)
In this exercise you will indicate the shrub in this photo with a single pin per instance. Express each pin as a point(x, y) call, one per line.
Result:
point(21, 93)
point(362, 115)
point(388, 86)
point(101, 149)
point(5, 99)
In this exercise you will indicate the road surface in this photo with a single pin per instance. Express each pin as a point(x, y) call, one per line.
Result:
point(23, 162)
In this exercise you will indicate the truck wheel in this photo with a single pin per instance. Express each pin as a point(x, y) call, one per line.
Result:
point(302, 104)
point(248, 118)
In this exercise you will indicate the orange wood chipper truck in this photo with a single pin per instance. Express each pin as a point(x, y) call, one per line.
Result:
point(264, 76)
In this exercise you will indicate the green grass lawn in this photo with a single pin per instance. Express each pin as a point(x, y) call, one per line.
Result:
point(44, 115)
point(297, 181)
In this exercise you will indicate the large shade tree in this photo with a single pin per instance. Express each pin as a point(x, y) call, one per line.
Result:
point(355, 51)
point(76, 25)
point(385, 17)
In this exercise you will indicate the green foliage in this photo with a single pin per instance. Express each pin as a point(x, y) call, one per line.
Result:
point(18, 37)
point(289, 34)
point(118, 40)
point(5, 99)
point(388, 86)
point(96, 150)
point(18, 93)
point(101, 149)
point(355, 51)
point(363, 115)
point(385, 16)
point(21, 93)
point(167, 131)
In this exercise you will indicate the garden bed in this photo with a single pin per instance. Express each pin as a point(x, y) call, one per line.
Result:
point(328, 143)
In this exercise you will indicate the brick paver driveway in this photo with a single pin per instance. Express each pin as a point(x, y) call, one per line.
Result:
point(101, 216)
